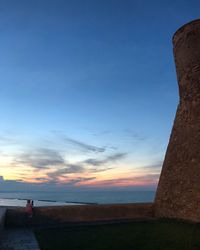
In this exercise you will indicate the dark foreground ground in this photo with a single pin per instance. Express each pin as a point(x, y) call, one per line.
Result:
point(155, 235)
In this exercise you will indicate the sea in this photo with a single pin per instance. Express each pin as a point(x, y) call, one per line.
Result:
point(81, 197)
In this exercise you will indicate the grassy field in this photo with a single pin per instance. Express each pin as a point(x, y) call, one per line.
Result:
point(155, 235)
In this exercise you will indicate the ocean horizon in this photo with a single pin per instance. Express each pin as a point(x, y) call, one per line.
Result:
point(78, 197)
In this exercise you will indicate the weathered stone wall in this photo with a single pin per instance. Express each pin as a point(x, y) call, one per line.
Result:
point(55, 216)
point(178, 193)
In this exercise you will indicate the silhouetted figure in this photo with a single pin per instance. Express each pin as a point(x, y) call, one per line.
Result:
point(29, 208)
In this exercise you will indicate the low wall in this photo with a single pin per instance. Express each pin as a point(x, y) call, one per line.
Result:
point(53, 216)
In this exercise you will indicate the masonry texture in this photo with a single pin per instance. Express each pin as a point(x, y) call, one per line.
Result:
point(54, 216)
point(178, 193)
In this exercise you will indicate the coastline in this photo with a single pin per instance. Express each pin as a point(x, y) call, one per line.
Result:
point(15, 202)
point(68, 198)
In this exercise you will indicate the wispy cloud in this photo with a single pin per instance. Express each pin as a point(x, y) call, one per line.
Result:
point(68, 169)
point(135, 135)
point(75, 169)
point(51, 166)
point(59, 177)
point(108, 159)
point(98, 170)
point(83, 146)
point(78, 180)
point(7, 140)
point(141, 180)
point(102, 133)
point(155, 165)
point(40, 158)
point(52, 160)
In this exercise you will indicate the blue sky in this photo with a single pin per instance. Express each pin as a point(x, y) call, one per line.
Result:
point(88, 90)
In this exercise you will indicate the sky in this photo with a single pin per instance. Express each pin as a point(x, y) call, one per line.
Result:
point(88, 91)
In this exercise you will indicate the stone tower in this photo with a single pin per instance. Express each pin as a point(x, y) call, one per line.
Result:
point(178, 193)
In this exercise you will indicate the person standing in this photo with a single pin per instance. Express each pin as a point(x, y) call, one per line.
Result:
point(29, 208)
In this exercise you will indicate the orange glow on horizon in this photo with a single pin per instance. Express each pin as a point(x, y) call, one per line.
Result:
point(120, 176)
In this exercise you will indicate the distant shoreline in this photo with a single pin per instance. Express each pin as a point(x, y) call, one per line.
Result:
point(47, 200)
point(21, 202)
point(92, 197)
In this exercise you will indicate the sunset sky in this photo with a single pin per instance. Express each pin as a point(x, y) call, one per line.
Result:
point(88, 91)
